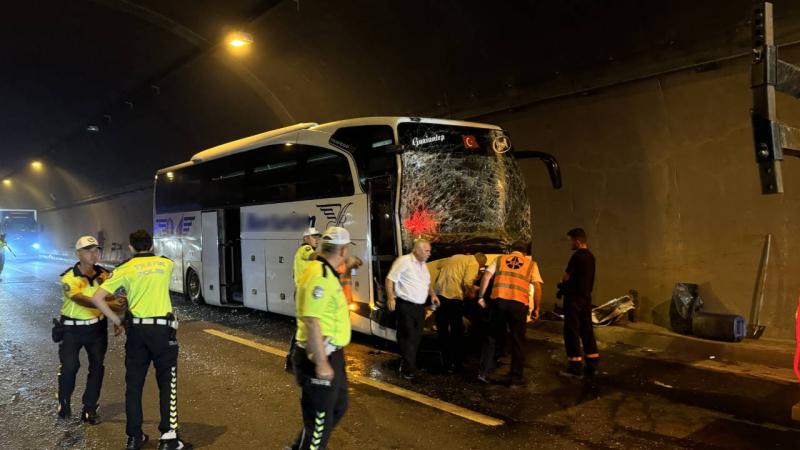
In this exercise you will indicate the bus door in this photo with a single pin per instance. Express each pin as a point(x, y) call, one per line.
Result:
point(210, 256)
point(222, 256)
point(384, 247)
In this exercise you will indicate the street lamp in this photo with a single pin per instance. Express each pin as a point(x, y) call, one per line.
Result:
point(36, 165)
point(7, 182)
point(240, 39)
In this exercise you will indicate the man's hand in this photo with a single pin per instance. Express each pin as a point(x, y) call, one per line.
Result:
point(117, 304)
point(391, 304)
point(482, 303)
point(435, 301)
point(118, 329)
point(324, 370)
point(534, 316)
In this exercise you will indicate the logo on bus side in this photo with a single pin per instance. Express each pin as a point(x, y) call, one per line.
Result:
point(335, 213)
point(167, 226)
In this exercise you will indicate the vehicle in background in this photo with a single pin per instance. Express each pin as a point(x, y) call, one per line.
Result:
point(21, 227)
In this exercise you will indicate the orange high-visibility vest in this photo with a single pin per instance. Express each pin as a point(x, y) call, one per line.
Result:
point(346, 278)
point(513, 277)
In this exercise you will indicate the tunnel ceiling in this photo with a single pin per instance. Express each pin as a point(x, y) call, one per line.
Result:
point(67, 62)
point(153, 76)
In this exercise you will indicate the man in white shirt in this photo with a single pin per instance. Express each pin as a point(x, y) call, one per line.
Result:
point(407, 288)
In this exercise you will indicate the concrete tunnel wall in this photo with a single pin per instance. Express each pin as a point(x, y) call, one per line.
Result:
point(661, 174)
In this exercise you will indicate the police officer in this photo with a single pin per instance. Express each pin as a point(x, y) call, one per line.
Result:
point(305, 254)
point(323, 330)
point(511, 306)
point(302, 258)
point(84, 328)
point(151, 329)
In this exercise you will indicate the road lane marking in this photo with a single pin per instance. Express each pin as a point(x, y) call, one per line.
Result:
point(383, 386)
point(249, 343)
point(430, 401)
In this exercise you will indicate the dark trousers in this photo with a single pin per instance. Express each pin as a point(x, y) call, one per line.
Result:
point(578, 327)
point(410, 321)
point(323, 402)
point(450, 328)
point(94, 339)
point(145, 344)
point(505, 316)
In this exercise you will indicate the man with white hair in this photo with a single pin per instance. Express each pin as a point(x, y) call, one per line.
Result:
point(408, 285)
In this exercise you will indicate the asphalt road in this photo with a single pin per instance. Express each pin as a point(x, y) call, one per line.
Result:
point(233, 393)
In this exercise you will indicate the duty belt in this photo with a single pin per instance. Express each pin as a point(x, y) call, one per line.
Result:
point(155, 321)
point(329, 348)
point(83, 322)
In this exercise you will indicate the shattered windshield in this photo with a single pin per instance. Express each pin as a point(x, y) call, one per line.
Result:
point(461, 186)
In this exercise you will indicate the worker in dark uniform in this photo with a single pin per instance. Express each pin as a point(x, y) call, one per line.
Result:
point(151, 329)
point(511, 306)
point(302, 258)
point(323, 330)
point(576, 287)
point(84, 327)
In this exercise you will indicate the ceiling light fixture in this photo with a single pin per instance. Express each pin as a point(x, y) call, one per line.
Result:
point(240, 39)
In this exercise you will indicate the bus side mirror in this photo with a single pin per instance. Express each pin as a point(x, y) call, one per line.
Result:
point(550, 161)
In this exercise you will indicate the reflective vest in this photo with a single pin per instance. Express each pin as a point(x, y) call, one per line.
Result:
point(145, 278)
point(346, 278)
point(302, 259)
point(512, 278)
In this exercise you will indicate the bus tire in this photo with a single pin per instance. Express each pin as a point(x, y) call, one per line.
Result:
point(194, 291)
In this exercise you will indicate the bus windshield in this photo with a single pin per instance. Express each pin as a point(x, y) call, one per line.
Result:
point(462, 186)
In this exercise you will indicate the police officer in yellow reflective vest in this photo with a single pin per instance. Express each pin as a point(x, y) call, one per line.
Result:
point(84, 327)
point(323, 330)
point(302, 258)
point(151, 329)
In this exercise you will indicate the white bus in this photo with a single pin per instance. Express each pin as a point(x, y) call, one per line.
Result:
point(231, 218)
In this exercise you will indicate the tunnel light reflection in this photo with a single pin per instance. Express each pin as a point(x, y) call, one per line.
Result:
point(36, 165)
point(7, 182)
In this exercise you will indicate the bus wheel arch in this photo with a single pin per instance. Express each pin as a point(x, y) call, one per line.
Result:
point(194, 289)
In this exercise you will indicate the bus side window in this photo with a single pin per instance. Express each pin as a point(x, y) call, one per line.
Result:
point(323, 173)
point(271, 173)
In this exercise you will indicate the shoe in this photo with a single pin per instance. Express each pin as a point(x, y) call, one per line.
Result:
point(64, 412)
point(407, 376)
point(573, 370)
point(90, 416)
point(136, 442)
point(483, 378)
point(173, 444)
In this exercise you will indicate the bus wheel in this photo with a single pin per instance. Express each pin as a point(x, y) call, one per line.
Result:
point(193, 291)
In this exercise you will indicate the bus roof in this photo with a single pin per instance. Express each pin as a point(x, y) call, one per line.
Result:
point(282, 134)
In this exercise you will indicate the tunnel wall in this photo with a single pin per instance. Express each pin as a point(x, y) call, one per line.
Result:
point(661, 174)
